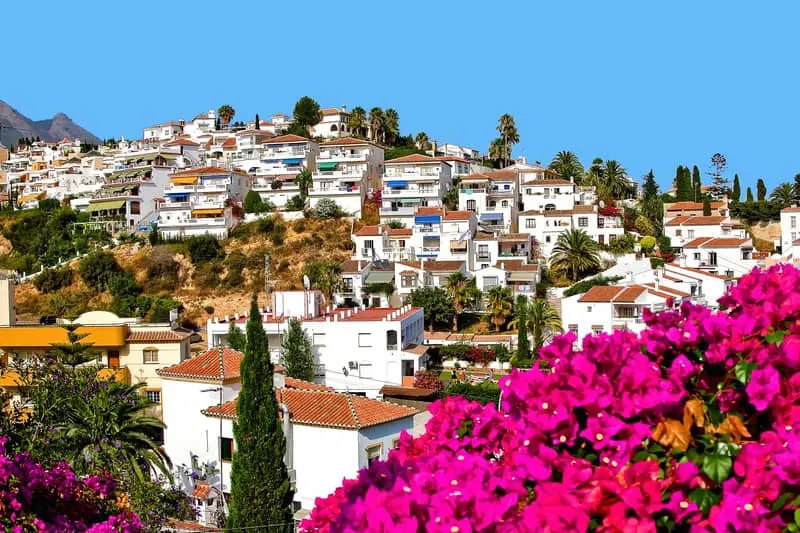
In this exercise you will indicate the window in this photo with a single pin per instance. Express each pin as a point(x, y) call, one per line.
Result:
point(408, 281)
point(583, 222)
point(678, 232)
point(368, 243)
point(530, 223)
point(407, 367)
point(588, 308)
point(391, 340)
point(794, 236)
point(793, 222)
point(319, 339)
point(528, 191)
point(626, 312)
point(373, 453)
point(226, 448)
point(396, 443)
point(597, 329)
point(697, 256)
point(153, 396)
point(471, 205)
point(365, 340)
point(690, 234)
point(573, 328)
point(557, 190)
point(151, 355)
point(504, 203)
point(489, 281)
point(547, 238)
point(135, 208)
point(712, 258)
point(483, 251)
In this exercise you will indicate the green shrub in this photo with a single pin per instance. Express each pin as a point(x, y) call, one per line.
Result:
point(160, 308)
point(299, 225)
point(647, 244)
point(486, 392)
point(97, 270)
point(49, 204)
point(454, 351)
point(278, 233)
point(266, 224)
point(162, 270)
point(203, 248)
point(327, 208)
point(207, 275)
point(235, 263)
point(123, 284)
point(209, 309)
point(656, 262)
point(295, 203)
point(53, 279)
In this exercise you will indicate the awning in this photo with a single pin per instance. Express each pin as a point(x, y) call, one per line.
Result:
point(210, 211)
point(292, 162)
point(106, 206)
point(397, 184)
point(328, 165)
point(427, 219)
point(135, 173)
point(379, 276)
point(522, 276)
point(184, 180)
point(491, 216)
point(119, 187)
point(179, 193)
point(30, 198)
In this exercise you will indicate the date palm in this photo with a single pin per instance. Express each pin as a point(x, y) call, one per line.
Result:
point(508, 132)
point(616, 182)
point(498, 150)
point(543, 321)
point(376, 123)
point(463, 292)
point(391, 121)
point(575, 254)
point(783, 195)
point(226, 114)
point(357, 124)
point(422, 141)
point(304, 181)
point(499, 306)
point(568, 165)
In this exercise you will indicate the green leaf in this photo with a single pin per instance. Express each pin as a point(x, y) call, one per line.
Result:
point(465, 428)
point(717, 466)
point(776, 337)
point(795, 502)
point(780, 502)
point(705, 499)
point(743, 370)
point(797, 517)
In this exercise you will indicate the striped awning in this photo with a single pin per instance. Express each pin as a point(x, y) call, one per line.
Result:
point(106, 206)
point(216, 211)
point(184, 180)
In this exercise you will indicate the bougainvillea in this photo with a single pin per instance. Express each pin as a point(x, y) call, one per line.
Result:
point(33, 498)
point(692, 425)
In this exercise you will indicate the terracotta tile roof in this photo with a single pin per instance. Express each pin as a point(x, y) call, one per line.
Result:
point(694, 243)
point(691, 206)
point(491, 338)
point(201, 490)
point(413, 158)
point(353, 266)
point(181, 142)
point(453, 158)
point(205, 367)
point(202, 171)
point(558, 213)
point(492, 175)
point(373, 314)
point(332, 111)
point(327, 409)
point(289, 138)
point(583, 209)
point(400, 232)
point(347, 141)
point(408, 272)
point(661, 294)
point(417, 349)
point(423, 210)
point(399, 391)
point(795, 209)
point(457, 215)
point(435, 335)
point(514, 237)
point(229, 142)
point(704, 221)
point(600, 294)
point(677, 221)
point(629, 294)
point(185, 526)
point(716, 242)
point(670, 292)
point(141, 337)
point(484, 236)
point(547, 183)
point(412, 264)
point(292, 383)
point(443, 266)
point(461, 337)
point(370, 231)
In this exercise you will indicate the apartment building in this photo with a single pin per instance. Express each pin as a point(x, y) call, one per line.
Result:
point(346, 169)
point(695, 209)
point(493, 197)
point(685, 228)
point(412, 181)
point(162, 132)
point(546, 225)
point(249, 149)
point(489, 248)
point(129, 197)
point(202, 201)
point(334, 123)
point(282, 159)
point(731, 257)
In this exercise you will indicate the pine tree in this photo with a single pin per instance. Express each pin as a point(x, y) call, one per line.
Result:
point(236, 338)
point(761, 190)
point(72, 353)
point(696, 184)
point(258, 123)
point(736, 195)
point(706, 207)
point(749, 197)
point(719, 185)
point(260, 489)
point(523, 342)
point(297, 357)
point(652, 204)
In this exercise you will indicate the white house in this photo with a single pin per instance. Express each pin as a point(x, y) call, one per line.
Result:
point(355, 349)
point(202, 201)
point(685, 228)
point(790, 229)
point(346, 168)
point(163, 132)
point(334, 123)
point(202, 124)
point(412, 181)
point(546, 225)
point(492, 196)
point(731, 257)
point(282, 159)
point(458, 165)
point(130, 196)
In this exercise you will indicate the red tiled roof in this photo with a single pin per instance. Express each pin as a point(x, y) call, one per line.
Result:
point(716, 242)
point(457, 215)
point(205, 367)
point(417, 349)
point(400, 232)
point(423, 210)
point(691, 206)
point(600, 294)
point(670, 292)
point(292, 383)
point(333, 111)
point(352, 266)
point(399, 391)
point(435, 335)
point(142, 337)
point(181, 142)
point(372, 314)
point(696, 221)
point(289, 138)
point(201, 490)
point(229, 142)
point(492, 175)
point(695, 270)
point(491, 338)
point(795, 209)
point(694, 243)
point(413, 158)
point(370, 231)
point(327, 409)
point(629, 294)
point(443, 266)
point(347, 141)
point(452, 158)
point(408, 272)
point(547, 183)
point(202, 171)
point(412, 264)
point(515, 237)
point(583, 209)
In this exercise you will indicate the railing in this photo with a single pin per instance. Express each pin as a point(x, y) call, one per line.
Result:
point(279, 154)
point(334, 190)
point(342, 156)
point(426, 229)
point(430, 249)
point(471, 190)
point(410, 192)
point(397, 211)
point(484, 257)
point(513, 254)
point(367, 252)
point(319, 371)
point(340, 173)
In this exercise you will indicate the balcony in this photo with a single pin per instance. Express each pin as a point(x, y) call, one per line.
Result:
point(484, 256)
point(397, 211)
point(283, 154)
point(400, 254)
point(513, 253)
point(346, 174)
point(411, 175)
point(342, 156)
point(335, 191)
point(193, 222)
point(427, 228)
point(427, 193)
point(367, 252)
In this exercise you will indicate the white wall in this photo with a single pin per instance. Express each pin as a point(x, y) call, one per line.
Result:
point(323, 457)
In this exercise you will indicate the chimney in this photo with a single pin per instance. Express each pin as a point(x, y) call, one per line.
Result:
point(344, 108)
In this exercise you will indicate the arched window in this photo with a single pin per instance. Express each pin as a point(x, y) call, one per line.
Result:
point(550, 207)
point(391, 340)
point(334, 128)
point(151, 354)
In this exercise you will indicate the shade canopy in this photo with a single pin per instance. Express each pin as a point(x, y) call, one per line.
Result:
point(216, 211)
point(328, 165)
point(106, 206)
point(427, 219)
point(397, 184)
point(491, 216)
point(522, 276)
point(380, 276)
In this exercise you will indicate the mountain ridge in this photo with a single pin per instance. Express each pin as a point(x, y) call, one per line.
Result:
point(15, 125)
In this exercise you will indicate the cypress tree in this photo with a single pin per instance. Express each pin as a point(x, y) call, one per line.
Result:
point(706, 207)
point(260, 489)
point(696, 184)
point(749, 199)
point(683, 184)
point(761, 190)
point(236, 338)
point(523, 343)
point(797, 189)
point(297, 357)
point(737, 189)
point(258, 122)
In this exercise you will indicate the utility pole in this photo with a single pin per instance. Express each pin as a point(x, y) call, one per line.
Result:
point(266, 280)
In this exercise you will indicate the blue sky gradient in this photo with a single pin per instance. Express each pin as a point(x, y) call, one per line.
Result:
point(653, 85)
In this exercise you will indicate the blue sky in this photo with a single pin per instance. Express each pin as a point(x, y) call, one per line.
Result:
point(651, 84)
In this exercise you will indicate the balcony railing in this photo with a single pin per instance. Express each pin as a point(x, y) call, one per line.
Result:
point(484, 257)
point(397, 211)
point(342, 155)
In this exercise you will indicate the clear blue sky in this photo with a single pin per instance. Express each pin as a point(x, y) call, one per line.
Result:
point(651, 84)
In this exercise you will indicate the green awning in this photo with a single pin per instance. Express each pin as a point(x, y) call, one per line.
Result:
point(131, 173)
point(328, 165)
point(105, 206)
point(119, 187)
point(380, 276)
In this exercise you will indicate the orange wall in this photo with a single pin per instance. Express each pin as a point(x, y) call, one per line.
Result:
point(43, 337)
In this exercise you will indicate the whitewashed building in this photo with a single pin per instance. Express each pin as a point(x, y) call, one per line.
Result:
point(162, 132)
point(790, 228)
point(345, 170)
point(685, 228)
point(731, 257)
point(334, 123)
point(282, 159)
point(493, 197)
point(412, 181)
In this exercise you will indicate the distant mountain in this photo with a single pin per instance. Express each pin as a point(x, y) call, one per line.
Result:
point(16, 125)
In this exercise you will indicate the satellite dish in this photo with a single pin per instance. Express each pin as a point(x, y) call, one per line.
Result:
point(306, 282)
point(601, 203)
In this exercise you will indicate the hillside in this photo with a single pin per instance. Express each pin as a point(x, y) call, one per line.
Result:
point(213, 288)
point(16, 125)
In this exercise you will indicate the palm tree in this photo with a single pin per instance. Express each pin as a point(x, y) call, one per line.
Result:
point(594, 176)
point(226, 114)
point(508, 132)
point(544, 321)
point(568, 165)
point(376, 123)
point(111, 425)
point(783, 195)
point(499, 306)
point(498, 150)
point(422, 141)
point(617, 184)
point(391, 121)
point(463, 292)
point(575, 254)
point(358, 122)
point(304, 181)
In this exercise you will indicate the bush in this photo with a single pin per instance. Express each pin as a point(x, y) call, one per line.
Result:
point(656, 262)
point(295, 203)
point(266, 224)
point(278, 233)
point(160, 308)
point(49, 204)
point(97, 270)
point(162, 270)
point(53, 279)
point(327, 208)
point(235, 263)
point(585, 285)
point(665, 244)
point(483, 393)
point(299, 225)
point(456, 351)
point(647, 244)
point(207, 275)
point(203, 249)
point(123, 284)
point(428, 379)
point(209, 309)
